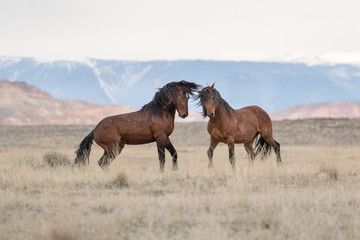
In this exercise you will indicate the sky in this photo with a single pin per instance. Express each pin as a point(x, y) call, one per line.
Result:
point(171, 30)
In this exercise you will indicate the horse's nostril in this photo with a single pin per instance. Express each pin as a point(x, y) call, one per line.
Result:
point(184, 115)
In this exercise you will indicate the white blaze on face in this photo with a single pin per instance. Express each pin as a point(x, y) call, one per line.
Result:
point(187, 95)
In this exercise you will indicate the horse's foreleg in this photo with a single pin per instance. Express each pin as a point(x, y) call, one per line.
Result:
point(173, 153)
point(231, 145)
point(161, 143)
point(210, 152)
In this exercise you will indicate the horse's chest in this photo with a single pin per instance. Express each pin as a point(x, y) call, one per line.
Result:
point(218, 134)
point(165, 127)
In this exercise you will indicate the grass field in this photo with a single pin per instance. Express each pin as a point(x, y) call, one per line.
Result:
point(313, 195)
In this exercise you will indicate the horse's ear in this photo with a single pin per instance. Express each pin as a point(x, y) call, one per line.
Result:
point(212, 87)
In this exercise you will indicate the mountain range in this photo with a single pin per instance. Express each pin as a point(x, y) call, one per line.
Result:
point(271, 85)
point(24, 104)
point(332, 109)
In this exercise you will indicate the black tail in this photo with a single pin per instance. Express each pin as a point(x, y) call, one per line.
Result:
point(262, 148)
point(83, 152)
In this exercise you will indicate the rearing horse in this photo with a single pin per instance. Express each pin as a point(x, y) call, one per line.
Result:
point(237, 126)
point(154, 122)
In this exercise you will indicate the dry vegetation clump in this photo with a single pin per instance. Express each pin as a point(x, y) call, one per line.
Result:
point(119, 181)
point(55, 159)
point(50, 159)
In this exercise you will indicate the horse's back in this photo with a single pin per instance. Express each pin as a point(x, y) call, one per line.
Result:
point(131, 128)
point(255, 114)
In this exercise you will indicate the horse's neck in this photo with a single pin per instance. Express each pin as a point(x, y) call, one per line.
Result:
point(220, 113)
point(170, 112)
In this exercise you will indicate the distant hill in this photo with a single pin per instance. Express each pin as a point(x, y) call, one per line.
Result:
point(333, 109)
point(23, 104)
point(271, 85)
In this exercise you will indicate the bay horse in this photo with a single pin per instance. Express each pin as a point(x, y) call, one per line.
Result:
point(154, 122)
point(246, 125)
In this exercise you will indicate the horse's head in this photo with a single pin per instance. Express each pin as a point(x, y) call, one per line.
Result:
point(174, 95)
point(181, 102)
point(207, 97)
point(183, 92)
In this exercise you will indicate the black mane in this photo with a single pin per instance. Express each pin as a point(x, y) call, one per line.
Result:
point(205, 94)
point(164, 97)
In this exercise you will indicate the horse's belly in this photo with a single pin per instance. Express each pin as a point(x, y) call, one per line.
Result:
point(138, 139)
point(245, 133)
point(241, 139)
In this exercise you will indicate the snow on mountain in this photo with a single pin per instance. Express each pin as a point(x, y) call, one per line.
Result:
point(325, 59)
point(343, 58)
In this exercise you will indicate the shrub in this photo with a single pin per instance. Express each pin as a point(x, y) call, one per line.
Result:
point(120, 181)
point(55, 159)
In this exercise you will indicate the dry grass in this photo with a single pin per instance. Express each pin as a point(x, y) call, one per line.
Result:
point(313, 195)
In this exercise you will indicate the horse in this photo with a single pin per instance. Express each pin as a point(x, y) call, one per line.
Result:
point(154, 122)
point(246, 125)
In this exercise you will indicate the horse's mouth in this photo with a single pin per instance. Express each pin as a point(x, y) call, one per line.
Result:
point(182, 115)
point(211, 115)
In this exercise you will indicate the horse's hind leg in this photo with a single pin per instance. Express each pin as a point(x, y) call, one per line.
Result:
point(275, 145)
point(109, 156)
point(104, 160)
point(250, 151)
point(277, 151)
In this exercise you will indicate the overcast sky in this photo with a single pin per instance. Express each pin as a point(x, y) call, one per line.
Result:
point(190, 29)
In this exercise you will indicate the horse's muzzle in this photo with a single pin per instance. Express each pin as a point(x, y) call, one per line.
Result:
point(184, 115)
point(211, 115)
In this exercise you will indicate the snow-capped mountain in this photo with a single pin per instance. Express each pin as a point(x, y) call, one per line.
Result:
point(271, 85)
